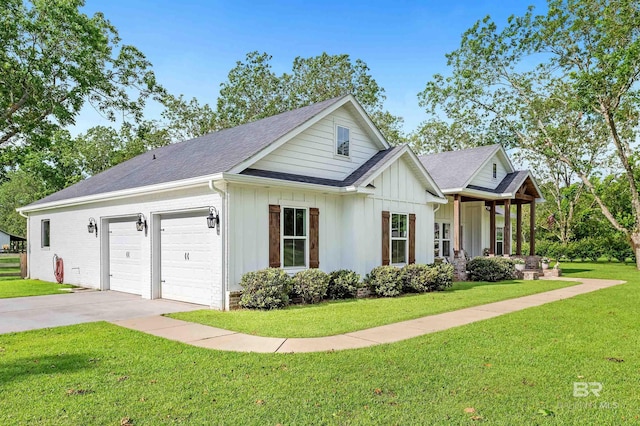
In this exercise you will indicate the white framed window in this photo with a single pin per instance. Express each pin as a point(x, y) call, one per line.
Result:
point(294, 237)
point(442, 239)
point(399, 238)
point(499, 240)
point(45, 233)
point(342, 140)
point(495, 171)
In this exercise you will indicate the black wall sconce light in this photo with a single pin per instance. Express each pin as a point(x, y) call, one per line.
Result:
point(141, 224)
point(213, 220)
point(92, 226)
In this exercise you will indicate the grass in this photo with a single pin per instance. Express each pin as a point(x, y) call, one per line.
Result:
point(338, 317)
point(518, 368)
point(16, 287)
point(9, 260)
point(4, 270)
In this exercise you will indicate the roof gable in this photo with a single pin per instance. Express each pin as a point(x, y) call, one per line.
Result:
point(203, 156)
point(454, 170)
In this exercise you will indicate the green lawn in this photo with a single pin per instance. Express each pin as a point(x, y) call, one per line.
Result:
point(518, 368)
point(332, 318)
point(9, 260)
point(16, 287)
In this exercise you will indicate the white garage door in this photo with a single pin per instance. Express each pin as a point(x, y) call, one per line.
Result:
point(187, 260)
point(125, 247)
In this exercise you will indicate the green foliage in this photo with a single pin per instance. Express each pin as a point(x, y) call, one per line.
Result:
point(54, 59)
point(343, 284)
point(491, 269)
point(19, 189)
point(418, 278)
point(254, 91)
point(385, 281)
point(265, 289)
point(311, 285)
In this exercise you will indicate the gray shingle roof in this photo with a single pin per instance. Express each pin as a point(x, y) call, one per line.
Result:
point(206, 155)
point(453, 169)
point(510, 184)
point(356, 178)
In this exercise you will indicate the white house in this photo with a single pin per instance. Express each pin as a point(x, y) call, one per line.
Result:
point(476, 181)
point(317, 187)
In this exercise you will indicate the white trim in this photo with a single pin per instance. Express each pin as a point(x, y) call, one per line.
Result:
point(336, 125)
point(293, 237)
point(392, 238)
point(440, 240)
point(42, 246)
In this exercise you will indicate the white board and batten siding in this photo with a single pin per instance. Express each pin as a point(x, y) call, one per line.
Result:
point(313, 152)
point(248, 211)
point(350, 233)
point(83, 253)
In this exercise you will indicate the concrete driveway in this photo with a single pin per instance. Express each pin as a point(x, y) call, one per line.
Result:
point(30, 313)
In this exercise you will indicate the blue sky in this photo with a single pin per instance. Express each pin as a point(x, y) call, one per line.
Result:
point(194, 43)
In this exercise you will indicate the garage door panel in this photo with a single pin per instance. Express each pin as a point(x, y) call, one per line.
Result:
point(187, 261)
point(125, 258)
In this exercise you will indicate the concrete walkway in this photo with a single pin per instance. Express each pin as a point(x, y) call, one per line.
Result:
point(30, 313)
point(217, 338)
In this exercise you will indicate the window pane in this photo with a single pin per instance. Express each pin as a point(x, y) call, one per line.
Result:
point(446, 248)
point(446, 231)
point(398, 251)
point(46, 233)
point(436, 231)
point(294, 253)
point(436, 248)
point(343, 141)
point(399, 225)
point(500, 234)
point(288, 222)
point(301, 228)
point(499, 248)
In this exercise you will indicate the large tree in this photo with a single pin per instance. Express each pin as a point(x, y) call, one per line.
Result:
point(563, 85)
point(253, 90)
point(54, 59)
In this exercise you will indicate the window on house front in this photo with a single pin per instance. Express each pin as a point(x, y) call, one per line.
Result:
point(342, 141)
point(495, 170)
point(399, 237)
point(499, 241)
point(294, 237)
point(45, 229)
point(442, 239)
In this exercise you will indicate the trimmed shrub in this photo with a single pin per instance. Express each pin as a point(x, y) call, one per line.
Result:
point(311, 285)
point(343, 284)
point(385, 281)
point(444, 276)
point(417, 278)
point(265, 289)
point(491, 269)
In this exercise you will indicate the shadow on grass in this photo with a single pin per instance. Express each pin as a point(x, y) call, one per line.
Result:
point(23, 368)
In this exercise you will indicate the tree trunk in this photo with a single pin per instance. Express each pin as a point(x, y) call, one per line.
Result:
point(635, 243)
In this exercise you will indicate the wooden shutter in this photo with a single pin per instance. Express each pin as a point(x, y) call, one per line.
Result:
point(412, 238)
point(386, 241)
point(274, 236)
point(314, 253)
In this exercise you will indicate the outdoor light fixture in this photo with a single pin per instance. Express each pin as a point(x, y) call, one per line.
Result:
point(141, 224)
point(214, 218)
point(92, 226)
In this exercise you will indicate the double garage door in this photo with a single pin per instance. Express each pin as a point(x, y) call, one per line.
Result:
point(187, 260)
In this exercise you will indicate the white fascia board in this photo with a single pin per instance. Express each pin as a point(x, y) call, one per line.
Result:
point(303, 186)
point(115, 195)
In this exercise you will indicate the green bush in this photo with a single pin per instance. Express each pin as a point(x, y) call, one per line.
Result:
point(417, 278)
point(265, 289)
point(343, 284)
point(444, 276)
point(385, 281)
point(311, 285)
point(491, 269)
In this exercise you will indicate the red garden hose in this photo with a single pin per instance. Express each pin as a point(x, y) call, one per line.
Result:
point(58, 268)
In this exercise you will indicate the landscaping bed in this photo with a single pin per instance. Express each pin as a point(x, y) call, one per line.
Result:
point(336, 317)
